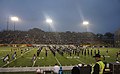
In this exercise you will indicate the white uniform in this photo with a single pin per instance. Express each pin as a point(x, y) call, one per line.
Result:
point(56, 69)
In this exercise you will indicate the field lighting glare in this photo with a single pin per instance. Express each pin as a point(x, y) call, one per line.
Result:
point(14, 19)
point(85, 22)
point(49, 21)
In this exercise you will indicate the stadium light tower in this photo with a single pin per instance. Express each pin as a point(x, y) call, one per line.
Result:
point(86, 23)
point(49, 21)
point(14, 19)
point(7, 24)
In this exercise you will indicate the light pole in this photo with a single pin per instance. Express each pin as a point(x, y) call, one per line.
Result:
point(86, 23)
point(7, 24)
point(49, 21)
point(14, 19)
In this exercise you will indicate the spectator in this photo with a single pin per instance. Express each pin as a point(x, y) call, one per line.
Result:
point(99, 66)
point(56, 69)
point(60, 71)
point(75, 70)
point(38, 71)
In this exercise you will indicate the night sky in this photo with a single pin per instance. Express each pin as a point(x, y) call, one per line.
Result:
point(67, 15)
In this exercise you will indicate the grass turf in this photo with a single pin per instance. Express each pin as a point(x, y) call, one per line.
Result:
point(25, 59)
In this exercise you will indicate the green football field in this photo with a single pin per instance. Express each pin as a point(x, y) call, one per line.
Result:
point(25, 60)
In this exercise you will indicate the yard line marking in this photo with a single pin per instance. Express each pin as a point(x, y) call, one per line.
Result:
point(58, 61)
point(34, 63)
point(16, 58)
point(80, 61)
point(5, 50)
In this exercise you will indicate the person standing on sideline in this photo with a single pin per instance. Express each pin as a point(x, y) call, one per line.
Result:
point(38, 71)
point(56, 69)
point(60, 71)
point(98, 68)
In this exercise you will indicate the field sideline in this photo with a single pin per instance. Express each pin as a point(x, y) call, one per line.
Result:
point(41, 61)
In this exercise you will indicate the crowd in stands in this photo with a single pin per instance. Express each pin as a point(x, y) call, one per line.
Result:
point(117, 38)
point(37, 36)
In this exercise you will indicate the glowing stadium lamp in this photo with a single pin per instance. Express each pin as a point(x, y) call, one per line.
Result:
point(14, 19)
point(85, 23)
point(49, 21)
